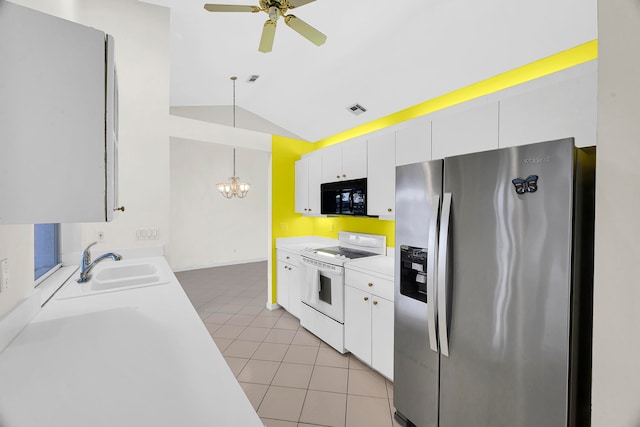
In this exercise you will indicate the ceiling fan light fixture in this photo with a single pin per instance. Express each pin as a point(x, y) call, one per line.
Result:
point(274, 13)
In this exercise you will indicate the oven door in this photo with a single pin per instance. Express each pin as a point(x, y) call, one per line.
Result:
point(322, 287)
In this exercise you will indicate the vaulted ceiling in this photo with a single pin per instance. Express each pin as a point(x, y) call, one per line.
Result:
point(386, 56)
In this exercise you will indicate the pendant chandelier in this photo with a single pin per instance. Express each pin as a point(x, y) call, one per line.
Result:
point(234, 187)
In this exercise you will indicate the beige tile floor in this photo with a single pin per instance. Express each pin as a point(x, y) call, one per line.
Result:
point(289, 375)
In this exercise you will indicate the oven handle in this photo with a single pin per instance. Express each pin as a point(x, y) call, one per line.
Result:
point(332, 270)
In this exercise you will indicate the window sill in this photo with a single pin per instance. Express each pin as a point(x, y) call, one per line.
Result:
point(51, 284)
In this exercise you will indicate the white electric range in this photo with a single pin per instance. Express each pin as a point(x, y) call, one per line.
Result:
point(322, 283)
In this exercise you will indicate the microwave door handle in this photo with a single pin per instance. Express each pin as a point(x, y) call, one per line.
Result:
point(443, 252)
point(350, 201)
point(432, 247)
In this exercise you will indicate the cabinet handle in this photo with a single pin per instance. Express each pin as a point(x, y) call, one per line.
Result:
point(121, 208)
point(366, 298)
point(344, 175)
point(389, 210)
point(337, 176)
point(375, 302)
point(287, 257)
point(370, 284)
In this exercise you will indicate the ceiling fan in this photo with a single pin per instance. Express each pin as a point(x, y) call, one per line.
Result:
point(275, 9)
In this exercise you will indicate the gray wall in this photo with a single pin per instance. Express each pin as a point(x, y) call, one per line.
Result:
point(616, 348)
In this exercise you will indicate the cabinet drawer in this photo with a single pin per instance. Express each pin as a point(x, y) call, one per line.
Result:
point(369, 283)
point(288, 257)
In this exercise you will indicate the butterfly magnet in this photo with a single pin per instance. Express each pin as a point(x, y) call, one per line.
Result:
point(527, 185)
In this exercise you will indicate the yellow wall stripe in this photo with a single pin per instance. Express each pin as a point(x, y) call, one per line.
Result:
point(551, 64)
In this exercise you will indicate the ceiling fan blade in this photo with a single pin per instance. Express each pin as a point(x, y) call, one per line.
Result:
point(268, 34)
point(305, 30)
point(297, 3)
point(230, 8)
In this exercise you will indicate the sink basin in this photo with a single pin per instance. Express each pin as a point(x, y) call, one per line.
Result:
point(112, 276)
point(116, 276)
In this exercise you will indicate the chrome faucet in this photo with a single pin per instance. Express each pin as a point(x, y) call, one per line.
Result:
point(86, 265)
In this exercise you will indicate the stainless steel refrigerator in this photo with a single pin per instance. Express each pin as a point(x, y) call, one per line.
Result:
point(493, 288)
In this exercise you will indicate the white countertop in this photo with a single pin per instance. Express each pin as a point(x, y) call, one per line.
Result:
point(379, 265)
point(135, 357)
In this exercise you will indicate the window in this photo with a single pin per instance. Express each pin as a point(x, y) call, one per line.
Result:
point(47, 249)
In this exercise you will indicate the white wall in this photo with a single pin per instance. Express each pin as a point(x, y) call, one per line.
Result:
point(141, 34)
point(208, 229)
point(223, 114)
point(16, 246)
point(616, 347)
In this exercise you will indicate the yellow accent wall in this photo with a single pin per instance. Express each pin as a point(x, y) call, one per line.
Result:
point(285, 151)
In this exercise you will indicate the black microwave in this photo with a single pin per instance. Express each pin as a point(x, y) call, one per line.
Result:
point(344, 197)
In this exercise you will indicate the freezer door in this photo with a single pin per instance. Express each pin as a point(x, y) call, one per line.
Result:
point(509, 289)
point(418, 187)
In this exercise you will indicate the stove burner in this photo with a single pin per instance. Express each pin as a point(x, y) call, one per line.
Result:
point(346, 253)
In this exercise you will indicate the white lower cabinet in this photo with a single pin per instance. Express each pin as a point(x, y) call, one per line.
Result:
point(368, 323)
point(382, 336)
point(357, 323)
point(288, 282)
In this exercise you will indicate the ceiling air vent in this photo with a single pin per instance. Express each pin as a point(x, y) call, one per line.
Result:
point(253, 78)
point(357, 109)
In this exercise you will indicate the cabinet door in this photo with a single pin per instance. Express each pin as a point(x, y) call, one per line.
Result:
point(381, 180)
point(413, 143)
point(354, 159)
point(461, 131)
point(282, 285)
point(295, 303)
point(331, 163)
point(302, 186)
point(52, 123)
point(553, 110)
point(382, 336)
point(357, 323)
point(315, 177)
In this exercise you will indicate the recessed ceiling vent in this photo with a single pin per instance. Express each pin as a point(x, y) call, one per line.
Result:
point(253, 78)
point(357, 109)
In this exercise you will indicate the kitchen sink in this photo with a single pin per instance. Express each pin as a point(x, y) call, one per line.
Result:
point(113, 276)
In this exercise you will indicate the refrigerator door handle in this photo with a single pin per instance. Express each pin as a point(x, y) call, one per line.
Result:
point(443, 320)
point(432, 247)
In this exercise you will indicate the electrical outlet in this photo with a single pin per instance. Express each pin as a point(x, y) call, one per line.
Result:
point(148, 233)
point(4, 275)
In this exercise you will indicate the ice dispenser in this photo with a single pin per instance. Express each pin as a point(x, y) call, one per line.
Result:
point(413, 272)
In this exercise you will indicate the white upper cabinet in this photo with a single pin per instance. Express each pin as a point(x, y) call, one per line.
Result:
point(463, 129)
point(302, 186)
point(58, 120)
point(345, 161)
point(557, 106)
point(413, 142)
point(308, 170)
point(331, 163)
point(381, 179)
point(354, 158)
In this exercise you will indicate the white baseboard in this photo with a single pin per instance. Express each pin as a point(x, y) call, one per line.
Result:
point(272, 306)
